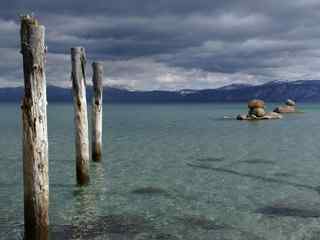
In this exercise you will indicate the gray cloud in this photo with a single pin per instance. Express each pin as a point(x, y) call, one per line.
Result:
point(169, 44)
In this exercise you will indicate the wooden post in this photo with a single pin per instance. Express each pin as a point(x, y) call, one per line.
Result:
point(78, 77)
point(35, 136)
point(97, 111)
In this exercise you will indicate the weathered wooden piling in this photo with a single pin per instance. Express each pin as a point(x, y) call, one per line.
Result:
point(78, 77)
point(97, 111)
point(35, 136)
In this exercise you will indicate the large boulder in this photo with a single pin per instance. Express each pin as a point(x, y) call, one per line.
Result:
point(256, 103)
point(258, 112)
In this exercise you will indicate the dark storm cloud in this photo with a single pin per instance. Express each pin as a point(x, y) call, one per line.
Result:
point(172, 43)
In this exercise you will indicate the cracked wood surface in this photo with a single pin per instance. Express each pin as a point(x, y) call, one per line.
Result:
point(78, 77)
point(35, 136)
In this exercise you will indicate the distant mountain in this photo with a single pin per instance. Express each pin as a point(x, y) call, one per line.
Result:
point(276, 91)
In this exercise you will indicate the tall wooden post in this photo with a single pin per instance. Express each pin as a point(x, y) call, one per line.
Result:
point(97, 111)
point(35, 136)
point(78, 77)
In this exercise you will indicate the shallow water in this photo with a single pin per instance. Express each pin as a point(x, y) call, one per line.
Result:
point(174, 172)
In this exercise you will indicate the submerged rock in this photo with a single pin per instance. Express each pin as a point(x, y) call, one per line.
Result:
point(202, 222)
point(298, 205)
point(133, 227)
point(116, 227)
point(210, 159)
point(255, 177)
point(150, 190)
point(123, 224)
point(156, 236)
point(287, 211)
point(258, 161)
point(283, 174)
point(267, 116)
point(217, 230)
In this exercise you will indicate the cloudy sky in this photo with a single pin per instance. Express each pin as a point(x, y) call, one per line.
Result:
point(171, 44)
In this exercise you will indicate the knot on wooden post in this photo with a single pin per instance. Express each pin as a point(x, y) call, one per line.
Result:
point(35, 67)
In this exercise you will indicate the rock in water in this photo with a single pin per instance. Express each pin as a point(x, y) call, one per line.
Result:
point(285, 109)
point(290, 102)
point(150, 191)
point(241, 117)
point(256, 103)
point(289, 107)
point(259, 112)
point(267, 116)
point(272, 115)
point(288, 212)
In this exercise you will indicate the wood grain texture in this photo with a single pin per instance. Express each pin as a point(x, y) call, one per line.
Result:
point(97, 105)
point(35, 136)
point(78, 77)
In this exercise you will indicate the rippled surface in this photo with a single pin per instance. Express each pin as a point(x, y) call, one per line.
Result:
point(174, 172)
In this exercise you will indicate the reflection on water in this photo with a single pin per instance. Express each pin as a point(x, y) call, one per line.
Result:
point(174, 172)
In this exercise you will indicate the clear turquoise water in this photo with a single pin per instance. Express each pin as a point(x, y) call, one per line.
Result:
point(174, 172)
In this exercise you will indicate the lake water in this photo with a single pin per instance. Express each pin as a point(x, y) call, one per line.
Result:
point(174, 172)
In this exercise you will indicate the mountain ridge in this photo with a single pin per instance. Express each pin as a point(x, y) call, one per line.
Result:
point(275, 91)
